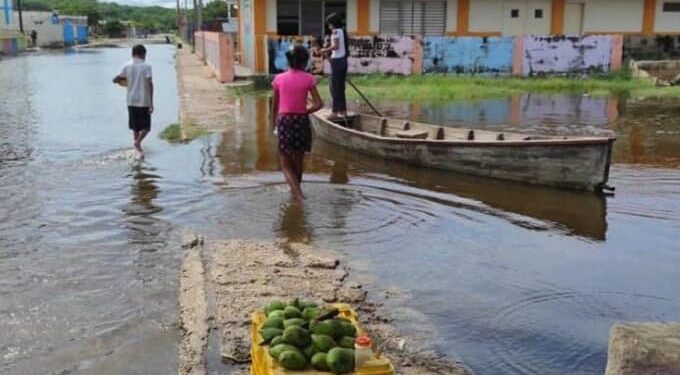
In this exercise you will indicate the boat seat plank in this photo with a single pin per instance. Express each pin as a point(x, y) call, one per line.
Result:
point(412, 134)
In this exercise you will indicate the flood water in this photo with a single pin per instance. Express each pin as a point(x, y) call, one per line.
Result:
point(509, 278)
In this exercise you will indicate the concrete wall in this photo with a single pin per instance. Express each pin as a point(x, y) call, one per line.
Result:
point(661, 47)
point(566, 54)
point(607, 16)
point(486, 16)
point(451, 16)
point(666, 22)
point(217, 51)
point(381, 54)
point(247, 33)
point(521, 55)
point(468, 55)
point(49, 34)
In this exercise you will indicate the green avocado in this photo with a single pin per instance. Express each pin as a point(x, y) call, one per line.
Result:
point(273, 306)
point(276, 350)
point(323, 343)
point(347, 342)
point(268, 334)
point(322, 328)
point(293, 360)
point(296, 336)
point(340, 360)
point(276, 341)
point(292, 312)
point(277, 314)
point(348, 329)
point(273, 322)
point(310, 313)
point(293, 322)
point(319, 362)
point(337, 328)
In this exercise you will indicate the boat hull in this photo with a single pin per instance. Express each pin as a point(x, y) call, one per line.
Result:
point(572, 165)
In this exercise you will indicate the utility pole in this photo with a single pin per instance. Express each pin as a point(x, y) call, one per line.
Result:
point(21, 17)
point(193, 38)
point(178, 21)
point(200, 15)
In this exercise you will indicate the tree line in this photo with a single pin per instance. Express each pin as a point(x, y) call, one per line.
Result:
point(153, 19)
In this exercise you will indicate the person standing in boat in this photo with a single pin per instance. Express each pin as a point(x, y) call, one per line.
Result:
point(338, 59)
point(290, 115)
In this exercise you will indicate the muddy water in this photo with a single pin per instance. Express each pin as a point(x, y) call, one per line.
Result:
point(511, 279)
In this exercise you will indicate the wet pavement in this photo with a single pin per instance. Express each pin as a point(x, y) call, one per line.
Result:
point(513, 279)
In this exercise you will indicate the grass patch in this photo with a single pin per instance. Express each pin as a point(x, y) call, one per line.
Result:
point(259, 85)
point(176, 133)
point(448, 87)
point(658, 93)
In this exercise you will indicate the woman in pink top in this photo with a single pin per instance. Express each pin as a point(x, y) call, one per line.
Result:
point(290, 115)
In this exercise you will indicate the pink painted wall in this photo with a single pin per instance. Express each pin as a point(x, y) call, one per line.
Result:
point(217, 51)
point(381, 54)
point(566, 54)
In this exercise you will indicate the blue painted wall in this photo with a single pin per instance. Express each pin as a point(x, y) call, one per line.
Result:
point(491, 55)
point(7, 12)
point(69, 37)
point(277, 48)
point(82, 34)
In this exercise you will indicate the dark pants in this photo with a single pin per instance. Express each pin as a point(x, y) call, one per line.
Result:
point(337, 84)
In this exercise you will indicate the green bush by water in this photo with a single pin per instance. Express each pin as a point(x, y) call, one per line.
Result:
point(175, 133)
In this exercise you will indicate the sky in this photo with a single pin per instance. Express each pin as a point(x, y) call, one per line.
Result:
point(164, 3)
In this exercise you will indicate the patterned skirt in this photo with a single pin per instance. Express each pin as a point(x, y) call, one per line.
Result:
point(294, 132)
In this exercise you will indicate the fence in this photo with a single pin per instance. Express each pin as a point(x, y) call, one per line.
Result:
point(216, 50)
point(521, 55)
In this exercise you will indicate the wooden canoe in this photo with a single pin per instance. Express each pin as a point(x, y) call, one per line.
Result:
point(580, 163)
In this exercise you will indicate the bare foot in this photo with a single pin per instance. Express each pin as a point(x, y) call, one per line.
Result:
point(298, 196)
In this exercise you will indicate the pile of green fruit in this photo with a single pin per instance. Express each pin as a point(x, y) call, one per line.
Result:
point(301, 335)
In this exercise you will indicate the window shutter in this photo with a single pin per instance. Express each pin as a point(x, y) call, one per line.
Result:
point(414, 17)
point(434, 18)
point(390, 17)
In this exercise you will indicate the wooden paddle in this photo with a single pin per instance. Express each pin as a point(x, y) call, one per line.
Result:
point(365, 98)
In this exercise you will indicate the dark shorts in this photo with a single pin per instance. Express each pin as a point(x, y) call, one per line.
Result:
point(294, 132)
point(139, 118)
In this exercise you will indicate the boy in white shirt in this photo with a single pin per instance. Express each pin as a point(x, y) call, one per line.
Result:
point(136, 75)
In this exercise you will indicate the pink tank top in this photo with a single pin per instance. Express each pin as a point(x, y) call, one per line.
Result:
point(293, 88)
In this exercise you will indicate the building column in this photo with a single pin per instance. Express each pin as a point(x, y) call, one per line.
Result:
point(363, 17)
point(557, 17)
point(260, 31)
point(648, 16)
point(463, 17)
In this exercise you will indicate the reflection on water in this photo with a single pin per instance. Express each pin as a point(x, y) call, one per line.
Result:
point(293, 225)
point(516, 279)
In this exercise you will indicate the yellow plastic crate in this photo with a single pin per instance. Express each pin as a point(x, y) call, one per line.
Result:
point(263, 364)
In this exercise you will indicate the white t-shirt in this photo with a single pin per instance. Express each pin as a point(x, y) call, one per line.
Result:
point(339, 36)
point(138, 90)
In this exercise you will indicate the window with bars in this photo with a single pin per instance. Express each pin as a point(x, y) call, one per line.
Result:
point(414, 17)
point(671, 6)
point(306, 17)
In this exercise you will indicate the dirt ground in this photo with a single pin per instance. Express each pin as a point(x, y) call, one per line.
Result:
point(242, 276)
point(203, 100)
